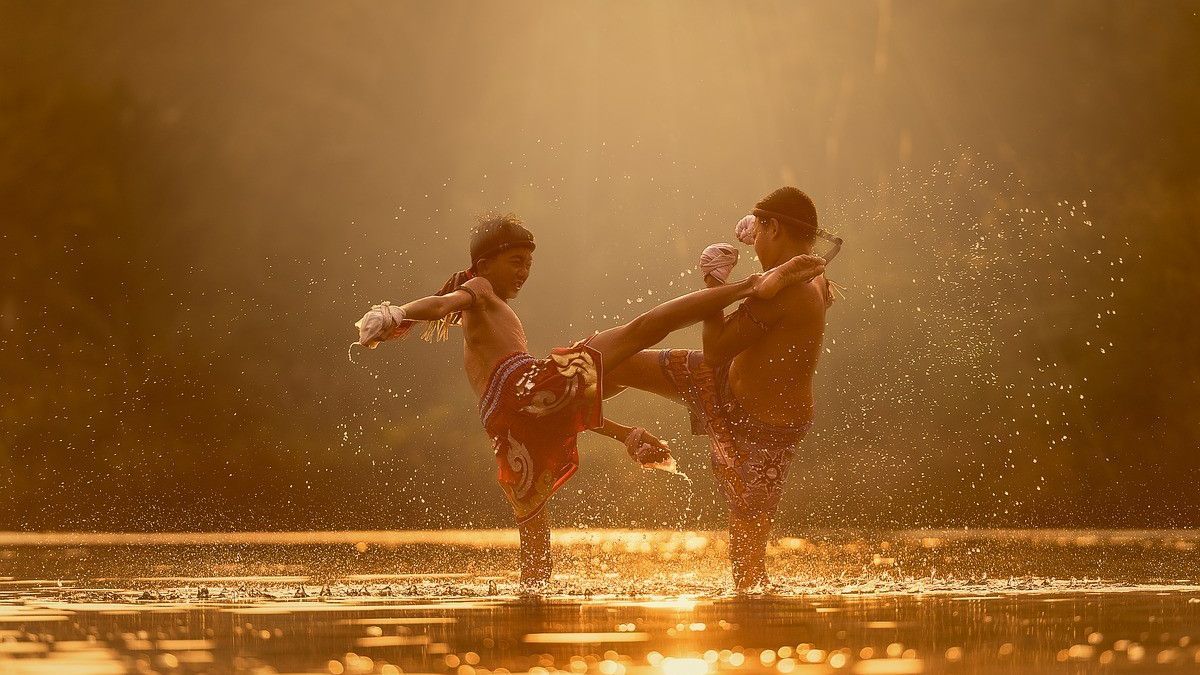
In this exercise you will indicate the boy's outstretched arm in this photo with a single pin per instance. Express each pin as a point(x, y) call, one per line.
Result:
point(434, 307)
point(386, 321)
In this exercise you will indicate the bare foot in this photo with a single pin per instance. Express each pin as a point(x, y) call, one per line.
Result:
point(801, 269)
point(533, 590)
point(759, 588)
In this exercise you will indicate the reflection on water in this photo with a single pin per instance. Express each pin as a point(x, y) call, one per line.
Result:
point(623, 602)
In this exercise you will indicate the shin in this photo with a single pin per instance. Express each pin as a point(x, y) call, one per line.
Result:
point(535, 549)
point(748, 535)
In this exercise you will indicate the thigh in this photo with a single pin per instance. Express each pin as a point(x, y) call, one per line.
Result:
point(618, 344)
point(642, 371)
point(756, 484)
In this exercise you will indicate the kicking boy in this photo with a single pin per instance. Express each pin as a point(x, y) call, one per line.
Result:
point(533, 409)
point(750, 389)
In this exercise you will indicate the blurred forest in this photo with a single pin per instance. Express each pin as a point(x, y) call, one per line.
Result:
point(196, 202)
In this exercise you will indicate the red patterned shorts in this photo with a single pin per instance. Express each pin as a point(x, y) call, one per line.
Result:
point(533, 410)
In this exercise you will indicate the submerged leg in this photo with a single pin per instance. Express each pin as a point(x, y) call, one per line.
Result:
point(748, 535)
point(535, 551)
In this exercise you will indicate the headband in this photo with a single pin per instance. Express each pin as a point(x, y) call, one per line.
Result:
point(763, 213)
point(500, 248)
point(748, 226)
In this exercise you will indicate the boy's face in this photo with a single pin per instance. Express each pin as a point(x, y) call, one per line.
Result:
point(508, 271)
point(767, 240)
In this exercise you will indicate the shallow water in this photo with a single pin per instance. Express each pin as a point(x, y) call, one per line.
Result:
point(623, 601)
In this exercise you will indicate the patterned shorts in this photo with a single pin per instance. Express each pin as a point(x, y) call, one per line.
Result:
point(533, 410)
point(750, 458)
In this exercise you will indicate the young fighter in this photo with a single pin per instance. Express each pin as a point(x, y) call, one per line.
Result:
point(533, 409)
point(750, 390)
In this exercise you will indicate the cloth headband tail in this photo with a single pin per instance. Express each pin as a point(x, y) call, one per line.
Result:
point(439, 331)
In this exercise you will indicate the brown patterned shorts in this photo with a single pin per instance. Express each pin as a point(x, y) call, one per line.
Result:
point(751, 458)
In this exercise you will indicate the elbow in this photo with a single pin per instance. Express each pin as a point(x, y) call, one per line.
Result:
point(443, 306)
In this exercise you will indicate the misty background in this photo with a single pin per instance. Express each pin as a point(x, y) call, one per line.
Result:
point(198, 200)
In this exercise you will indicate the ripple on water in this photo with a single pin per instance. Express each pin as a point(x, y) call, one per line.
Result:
point(1010, 601)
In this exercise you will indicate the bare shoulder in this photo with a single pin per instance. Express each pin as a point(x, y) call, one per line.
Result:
point(482, 288)
point(791, 306)
point(803, 303)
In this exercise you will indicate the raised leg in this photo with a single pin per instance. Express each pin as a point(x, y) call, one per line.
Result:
point(535, 552)
point(642, 371)
point(620, 343)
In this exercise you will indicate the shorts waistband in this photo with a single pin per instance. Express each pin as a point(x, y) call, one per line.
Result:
point(743, 422)
point(495, 386)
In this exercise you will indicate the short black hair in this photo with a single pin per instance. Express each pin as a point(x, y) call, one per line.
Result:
point(800, 212)
point(495, 232)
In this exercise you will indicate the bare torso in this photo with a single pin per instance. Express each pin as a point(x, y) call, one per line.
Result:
point(773, 379)
point(491, 331)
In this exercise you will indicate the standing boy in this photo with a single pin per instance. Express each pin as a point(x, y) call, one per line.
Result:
point(750, 389)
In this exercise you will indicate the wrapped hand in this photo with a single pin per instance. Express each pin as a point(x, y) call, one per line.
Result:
point(645, 449)
point(717, 261)
point(385, 321)
point(747, 230)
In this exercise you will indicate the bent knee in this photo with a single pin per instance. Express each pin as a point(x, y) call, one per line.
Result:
point(642, 324)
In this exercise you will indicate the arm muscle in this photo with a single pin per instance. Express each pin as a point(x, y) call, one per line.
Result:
point(435, 307)
point(726, 339)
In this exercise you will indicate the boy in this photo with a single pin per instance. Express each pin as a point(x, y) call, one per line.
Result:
point(750, 390)
point(534, 409)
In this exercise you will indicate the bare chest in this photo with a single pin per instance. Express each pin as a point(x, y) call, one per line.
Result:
point(490, 334)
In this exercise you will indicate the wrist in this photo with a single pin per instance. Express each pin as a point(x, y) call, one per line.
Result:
point(616, 430)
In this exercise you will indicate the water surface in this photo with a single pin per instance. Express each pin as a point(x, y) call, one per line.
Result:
point(622, 601)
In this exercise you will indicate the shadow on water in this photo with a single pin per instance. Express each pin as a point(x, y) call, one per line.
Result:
point(647, 601)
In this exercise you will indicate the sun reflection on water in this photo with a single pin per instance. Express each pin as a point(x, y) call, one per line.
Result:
point(999, 600)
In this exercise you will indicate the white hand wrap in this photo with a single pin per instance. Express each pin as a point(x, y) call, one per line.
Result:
point(718, 260)
point(747, 230)
point(379, 324)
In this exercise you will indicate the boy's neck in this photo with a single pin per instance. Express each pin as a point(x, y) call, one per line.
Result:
point(785, 254)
